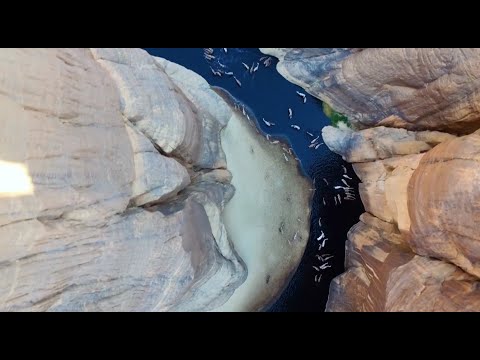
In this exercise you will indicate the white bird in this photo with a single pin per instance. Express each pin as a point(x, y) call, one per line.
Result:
point(339, 198)
point(323, 243)
point(295, 236)
point(289, 150)
point(324, 203)
point(325, 266)
point(303, 96)
point(275, 142)
point(326, 182)
point(216, 73)
point(348, 177)
point(256, 67)
point(318, 278)
point(243, 110)
point(268, 123)
point(318, 145)
point(296, 127)
point(309, 134)
point(225, 49)
point(246, 66)
point(238, 81)
point(290, 113)
point(321, 236)
point(344, 169)
point(329, 257)
point(248, 117)
point(312, 145)
point(314, 140)
point(316, 268)
point(335, 198)
point(251, 67)
point(268, 137)
point(320, 221)
point(343, 180)
point(230, 73)
point(285, 156)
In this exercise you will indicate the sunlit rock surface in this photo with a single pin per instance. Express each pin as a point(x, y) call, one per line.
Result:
point(88, 136)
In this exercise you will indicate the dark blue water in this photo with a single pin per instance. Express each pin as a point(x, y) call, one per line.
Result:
point(269, 96)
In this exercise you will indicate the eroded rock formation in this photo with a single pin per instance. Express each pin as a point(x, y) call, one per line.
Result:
point(116, 182)
point(416, 89)
point(417, 248)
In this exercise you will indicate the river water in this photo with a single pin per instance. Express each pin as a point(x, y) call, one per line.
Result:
point(268, 95)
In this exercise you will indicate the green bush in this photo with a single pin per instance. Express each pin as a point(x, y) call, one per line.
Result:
point(335, 117)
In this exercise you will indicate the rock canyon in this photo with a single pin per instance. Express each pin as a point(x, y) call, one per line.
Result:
point(414, 142)
point(128, 183)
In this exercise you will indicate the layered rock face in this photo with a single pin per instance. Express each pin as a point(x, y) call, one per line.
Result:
point(112, 182)
point(416, 89)
point(417, 248)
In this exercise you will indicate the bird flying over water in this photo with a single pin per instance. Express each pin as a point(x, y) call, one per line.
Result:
point(238, 81)
point(303, 96)
point(268, 123)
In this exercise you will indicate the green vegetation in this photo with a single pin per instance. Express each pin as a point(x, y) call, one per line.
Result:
point(335, 117)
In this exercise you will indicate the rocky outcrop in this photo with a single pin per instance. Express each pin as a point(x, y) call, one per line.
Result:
point(112, 184)
point(417, 247)
point(417, 204)
point(415, 89)
point(172, 106)
point(444, 206)
point(384, 275)
point(380, 142)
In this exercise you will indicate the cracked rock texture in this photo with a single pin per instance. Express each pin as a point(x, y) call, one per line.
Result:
point(112, 182)
point(416, 146)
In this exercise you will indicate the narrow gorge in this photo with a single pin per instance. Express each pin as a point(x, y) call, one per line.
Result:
point(151, 180)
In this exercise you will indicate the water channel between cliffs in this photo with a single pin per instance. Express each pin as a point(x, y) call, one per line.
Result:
point(266, 94)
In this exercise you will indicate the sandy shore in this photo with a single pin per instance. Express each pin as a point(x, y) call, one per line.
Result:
point(268, 219)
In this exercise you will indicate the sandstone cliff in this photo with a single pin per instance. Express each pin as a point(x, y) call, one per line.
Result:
point(417, 248)
point(95, 147)
point(416, 89)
